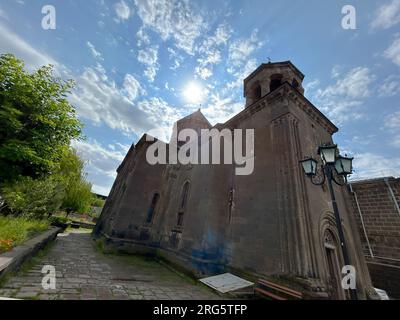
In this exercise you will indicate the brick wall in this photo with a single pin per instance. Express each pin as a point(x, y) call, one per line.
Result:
point(382, 228)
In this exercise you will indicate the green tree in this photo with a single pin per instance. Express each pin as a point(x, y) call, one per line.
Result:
point(33, 198)
point(65, 189)
point(78, 196)
point(37, 123)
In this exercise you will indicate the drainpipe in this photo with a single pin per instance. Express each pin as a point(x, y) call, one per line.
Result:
point(362, 220)
point(396, 204)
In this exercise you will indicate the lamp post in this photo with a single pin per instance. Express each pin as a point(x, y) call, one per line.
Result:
point(331, 164)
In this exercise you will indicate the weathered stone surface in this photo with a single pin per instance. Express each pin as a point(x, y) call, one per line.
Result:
point(12, 260)
point(77, 281)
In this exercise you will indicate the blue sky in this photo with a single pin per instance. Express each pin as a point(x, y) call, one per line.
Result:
point(133, 60)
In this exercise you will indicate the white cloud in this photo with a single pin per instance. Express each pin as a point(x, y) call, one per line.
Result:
point(176, 57)
point(341, 100)
point(102, 159)
point(132, 87)
point(143, 38)
point(122, 10)
point(203, 72)
point(336, 70)
point(369, 165)
point(210, 51)
point(3, 14)
point(149, 57)
point(392, 121)
point(161, 115)
point(311, 85)
point(396, 141)
point(101, 101)
point(33, 58)
point(390, 86)
point(241, 73)
point(355, 84)
point(241, 49)
point(102, 190)
point(96, 54)
point(392, 126)
point(220, 38)
point(174, 19)
point(221, 109)
point(387, 15)
point(222, 34)
point(393, 52)
point(102, 162)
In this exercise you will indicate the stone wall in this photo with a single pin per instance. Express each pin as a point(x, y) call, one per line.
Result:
point(378, 218)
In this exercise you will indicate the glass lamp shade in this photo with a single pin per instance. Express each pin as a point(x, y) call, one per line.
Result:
point(328, 153)
point(344, 165)
point(309, 166)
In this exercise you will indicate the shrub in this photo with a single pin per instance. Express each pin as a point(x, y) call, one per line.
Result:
point(58, 221)
point(78, 196)
point(97, 202)
point(16, 230)
point(34, 199)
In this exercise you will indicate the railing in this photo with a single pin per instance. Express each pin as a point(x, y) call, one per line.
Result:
point(275, 291)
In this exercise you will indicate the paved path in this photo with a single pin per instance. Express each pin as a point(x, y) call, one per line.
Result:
point(82, 272)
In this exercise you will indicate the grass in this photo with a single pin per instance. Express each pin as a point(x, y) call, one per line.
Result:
point(72, 217)
point(16, 230)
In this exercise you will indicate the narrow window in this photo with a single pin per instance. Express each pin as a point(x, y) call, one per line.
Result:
point(295, 84)
point(180, 219)
point(257, 92)
point(276, 82)
point(150, 212)
point(182, 205)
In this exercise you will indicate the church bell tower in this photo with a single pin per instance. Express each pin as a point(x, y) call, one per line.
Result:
point(270, 76)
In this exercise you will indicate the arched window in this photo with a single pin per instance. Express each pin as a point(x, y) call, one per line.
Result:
point(257, 92)
point(150, 212)
point(276, 82)
point(183, 202)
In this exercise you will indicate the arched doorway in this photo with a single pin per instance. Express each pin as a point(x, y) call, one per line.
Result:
point(333, 260)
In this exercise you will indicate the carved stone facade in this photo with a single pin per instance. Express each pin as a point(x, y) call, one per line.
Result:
point(272, 223)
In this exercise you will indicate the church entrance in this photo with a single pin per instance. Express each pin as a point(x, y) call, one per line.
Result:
point(334, 270)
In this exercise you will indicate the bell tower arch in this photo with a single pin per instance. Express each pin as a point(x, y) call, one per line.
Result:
point(269, 77)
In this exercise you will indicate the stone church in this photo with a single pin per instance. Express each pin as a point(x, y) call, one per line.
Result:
point(272, 224)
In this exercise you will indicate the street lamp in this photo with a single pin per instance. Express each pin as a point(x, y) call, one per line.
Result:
point(332, 164)
point(328, 153)
point(309, 166)
point(344, 165)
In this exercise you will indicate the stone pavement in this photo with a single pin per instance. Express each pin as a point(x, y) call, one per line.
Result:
point(84, 273)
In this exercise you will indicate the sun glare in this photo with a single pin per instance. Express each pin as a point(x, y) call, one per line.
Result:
point(193, 93)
